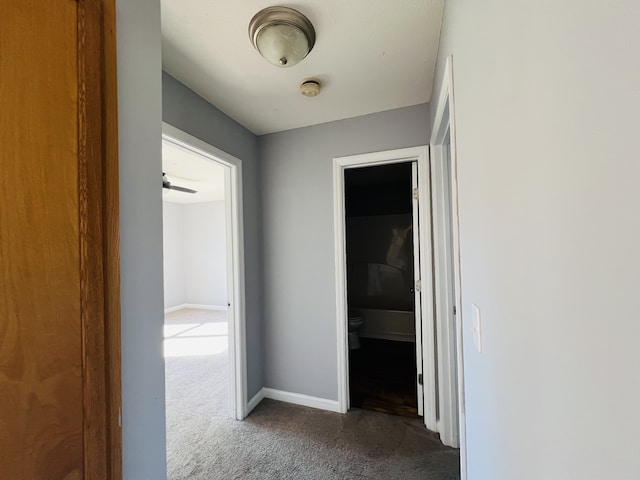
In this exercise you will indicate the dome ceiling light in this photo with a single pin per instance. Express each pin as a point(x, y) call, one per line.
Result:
point(282, 35)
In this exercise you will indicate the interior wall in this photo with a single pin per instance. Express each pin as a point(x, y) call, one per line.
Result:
point(184, 109)
point(195, 256)
point(299, 275)
point(205, 255)
point(140, 161)
point(547, 104)
point(173, 254)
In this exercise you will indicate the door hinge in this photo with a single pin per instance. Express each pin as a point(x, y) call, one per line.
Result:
point(416, 194)
point(454, 310)
point(420, 379)
point(418, 285)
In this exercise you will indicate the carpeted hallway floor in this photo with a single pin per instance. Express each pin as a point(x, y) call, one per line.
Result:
point(278, 440)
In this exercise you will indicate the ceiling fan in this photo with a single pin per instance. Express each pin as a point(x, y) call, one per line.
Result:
point(167, 184)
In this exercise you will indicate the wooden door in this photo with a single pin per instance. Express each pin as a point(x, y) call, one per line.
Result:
point(59, 343)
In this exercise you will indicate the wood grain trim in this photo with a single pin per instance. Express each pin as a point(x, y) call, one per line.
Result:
point(99, 257)
point(92, 285)
point(112, 239)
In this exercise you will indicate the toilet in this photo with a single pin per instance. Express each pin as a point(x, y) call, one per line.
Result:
point(355, 322)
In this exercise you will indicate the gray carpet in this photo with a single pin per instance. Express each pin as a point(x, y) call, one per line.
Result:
point(282, 441)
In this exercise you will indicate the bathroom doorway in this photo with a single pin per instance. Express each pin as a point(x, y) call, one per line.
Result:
point(382, 203)
point(381, 288)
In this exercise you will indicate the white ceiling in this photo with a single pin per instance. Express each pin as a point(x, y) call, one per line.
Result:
point(186, 169)
point(370, 55)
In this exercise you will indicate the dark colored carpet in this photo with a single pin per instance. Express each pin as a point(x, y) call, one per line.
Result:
point(282, 441)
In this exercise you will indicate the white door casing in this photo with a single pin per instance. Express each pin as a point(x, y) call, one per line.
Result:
point(447, 285)
point(417, 284)
point(419, 155)
point(235, 260)
point(444, 295)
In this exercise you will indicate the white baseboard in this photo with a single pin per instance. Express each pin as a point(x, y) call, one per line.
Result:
point(173, 309)
point(205, 307)
point(253, 403)
point(300, 399)
point(195, 305)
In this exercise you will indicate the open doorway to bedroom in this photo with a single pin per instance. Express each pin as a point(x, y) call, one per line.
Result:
point(203, 286)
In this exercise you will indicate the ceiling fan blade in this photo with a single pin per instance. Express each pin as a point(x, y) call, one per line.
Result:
point(167, 184)
point(182, 189)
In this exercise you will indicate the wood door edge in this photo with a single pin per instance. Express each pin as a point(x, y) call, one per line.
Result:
point(99, 239)
point(112, 220)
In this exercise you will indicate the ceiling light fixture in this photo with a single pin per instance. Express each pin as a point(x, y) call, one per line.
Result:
point(282, 35)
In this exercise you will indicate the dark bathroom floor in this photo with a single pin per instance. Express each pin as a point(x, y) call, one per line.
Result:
point(382, 377)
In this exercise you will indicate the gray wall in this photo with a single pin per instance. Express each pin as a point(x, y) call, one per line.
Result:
point(300, 341)
point(195, 256)
point(140, 129)
point(205, 253)
point(184, 109)
point(173, 256)
point(547, 103)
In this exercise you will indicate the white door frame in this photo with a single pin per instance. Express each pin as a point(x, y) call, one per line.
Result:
point(235, 260)
point(427, 368)
point(447, 264)
point(418, 307)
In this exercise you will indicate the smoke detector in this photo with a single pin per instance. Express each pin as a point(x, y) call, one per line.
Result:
point(310, 88)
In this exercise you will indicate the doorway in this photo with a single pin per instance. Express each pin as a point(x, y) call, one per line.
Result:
point(417, 276)
point(204, 288)
point(379, 218)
